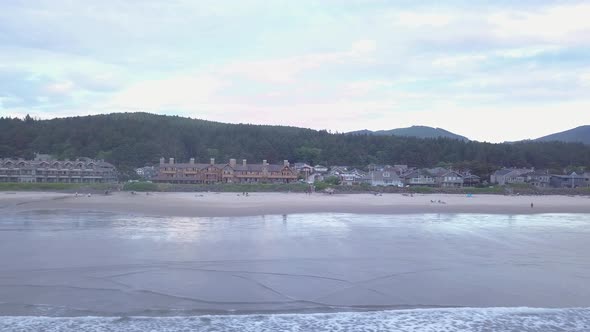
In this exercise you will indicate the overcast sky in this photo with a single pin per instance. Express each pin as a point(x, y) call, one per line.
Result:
point(490, 70)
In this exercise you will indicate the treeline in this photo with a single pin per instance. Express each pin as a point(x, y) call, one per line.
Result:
point(131, 140)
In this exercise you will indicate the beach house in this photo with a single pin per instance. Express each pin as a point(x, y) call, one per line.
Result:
point(509, 176)
point(573, 180)
point(418, 177)
point(382, 178)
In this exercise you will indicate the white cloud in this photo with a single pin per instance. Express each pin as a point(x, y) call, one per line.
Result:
point(364, 46)
point(418, 19)
point(558, 24)
point(60, 88)
point(174, 93)
point(458, 60)
point(371, 65)
point(285, 70)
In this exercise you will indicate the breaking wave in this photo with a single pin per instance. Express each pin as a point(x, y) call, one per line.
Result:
point(423, 320)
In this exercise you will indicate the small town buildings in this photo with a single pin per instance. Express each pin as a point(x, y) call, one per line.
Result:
point(539, 178)
point(470, 180)
point(509, 176)
point(146, 172)
point(304, 170)
point(383, 178)
point(446, 178)
point(400, 169)
point(45, 169)
point(573, 180)
point(419, 177)
point(320, 169)
point(337, 170)
point(352, 177)
point(232, 172)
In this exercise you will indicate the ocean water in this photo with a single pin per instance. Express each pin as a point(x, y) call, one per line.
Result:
point(422, 320)
point(88, 271)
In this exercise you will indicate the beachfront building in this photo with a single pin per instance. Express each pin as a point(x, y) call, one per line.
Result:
point(539, 179)
point(44, 169)
point(510, 176)
point(320, 169)
point(348, 177)
point(446, 178)
point(470, 180)
point(573, 180)
point(146, 172)
point(383, 178)
point(419, 178)
point(304, 170)
point(232, 172)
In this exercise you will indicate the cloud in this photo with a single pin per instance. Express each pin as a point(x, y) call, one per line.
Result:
point(341, 65)
point(555, 24)
point(176, 93)
point(285, 70)
point(422, 19)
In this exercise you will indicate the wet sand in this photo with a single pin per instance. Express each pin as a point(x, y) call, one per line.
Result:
point(232, 204)
point(61, 263)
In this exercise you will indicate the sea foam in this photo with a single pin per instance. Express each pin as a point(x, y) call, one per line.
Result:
point(423, 320)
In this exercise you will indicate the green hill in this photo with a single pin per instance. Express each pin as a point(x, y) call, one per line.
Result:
point(130, 140)
point(413, 131)
point(579, 134)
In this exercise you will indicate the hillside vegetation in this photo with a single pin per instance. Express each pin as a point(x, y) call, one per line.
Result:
point(135, 139)
point(414, 131)
point(579, 134)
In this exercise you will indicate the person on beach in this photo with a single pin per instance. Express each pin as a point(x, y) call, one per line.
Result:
point(532, 205)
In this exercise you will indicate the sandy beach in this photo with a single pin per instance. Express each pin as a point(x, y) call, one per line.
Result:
point(233, 204)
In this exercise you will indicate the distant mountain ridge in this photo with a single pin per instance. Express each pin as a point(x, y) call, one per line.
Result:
point(576, 135)
point(413, 131)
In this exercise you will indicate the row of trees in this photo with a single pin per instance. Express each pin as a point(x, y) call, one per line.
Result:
point(130, 140)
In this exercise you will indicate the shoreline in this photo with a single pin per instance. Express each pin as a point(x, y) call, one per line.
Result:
point(235, 205)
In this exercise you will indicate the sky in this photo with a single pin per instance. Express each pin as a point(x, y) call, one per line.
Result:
point(493, 71)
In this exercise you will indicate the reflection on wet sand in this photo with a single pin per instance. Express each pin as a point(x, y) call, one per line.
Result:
point(66, 263)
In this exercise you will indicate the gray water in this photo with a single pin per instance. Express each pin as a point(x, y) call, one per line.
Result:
point(319, 272)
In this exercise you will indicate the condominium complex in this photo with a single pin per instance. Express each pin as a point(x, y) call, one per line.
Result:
point(45, 169)
point(231, 172)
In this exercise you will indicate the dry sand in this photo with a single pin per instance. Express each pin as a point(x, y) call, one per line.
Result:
point(233, 204)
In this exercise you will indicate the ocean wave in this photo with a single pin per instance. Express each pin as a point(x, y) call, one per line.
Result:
point(415, 320)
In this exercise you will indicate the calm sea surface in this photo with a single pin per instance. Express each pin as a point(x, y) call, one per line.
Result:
point(75, 271)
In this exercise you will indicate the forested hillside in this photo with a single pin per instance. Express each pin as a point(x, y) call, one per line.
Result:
point(136, 139)
point(413, 131)
point(580, 134)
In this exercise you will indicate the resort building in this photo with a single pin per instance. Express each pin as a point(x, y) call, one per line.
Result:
point(232, 172)
point(44, 169)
